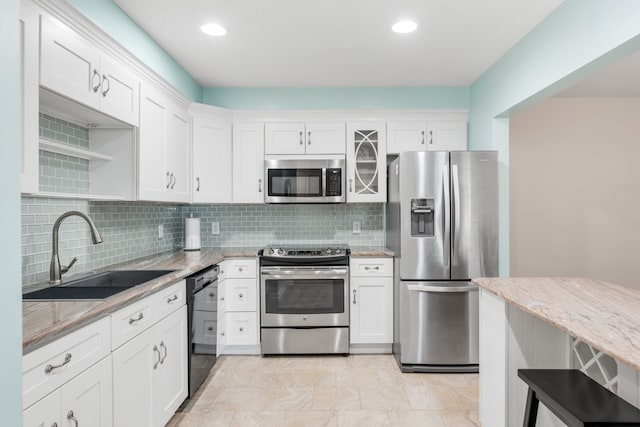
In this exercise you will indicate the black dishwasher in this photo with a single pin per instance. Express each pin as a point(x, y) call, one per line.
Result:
point(202, 303)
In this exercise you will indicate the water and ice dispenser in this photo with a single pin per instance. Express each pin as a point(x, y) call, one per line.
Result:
point(422, 217)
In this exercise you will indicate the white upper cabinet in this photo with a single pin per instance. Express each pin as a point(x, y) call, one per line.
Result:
point(211, 162)
point(73, 67)
point(301, 138)
point(248, 163)
point(29, 50)
point(164, 149)
point(431, 135)
point(366, 162)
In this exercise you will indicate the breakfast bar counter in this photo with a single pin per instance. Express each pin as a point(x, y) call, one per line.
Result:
point(532, 323)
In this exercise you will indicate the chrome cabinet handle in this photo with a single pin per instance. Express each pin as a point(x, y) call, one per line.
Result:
point(105, 80)
point(55, 424)
point(172, 299)
point(165, 352)
point(155, 350)
point(198, 181)
point(354, 296)
point(173, 180)
point(423, 138)
point(210, 328)
point(301, 143)
point(96, 85)
point(260, 186)
point(49, 368)
point(212, 294)
point(309, 138)
point(132, 320)
point(168, 179)
point(222, 334)
point(221, 298)
point(240, 295)
point(240, 269)
point(71, 417)
point(366, 267)
point(241, 329)
point(430, 137)
point(351, 185)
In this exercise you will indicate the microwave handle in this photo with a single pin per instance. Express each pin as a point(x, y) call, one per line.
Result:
point(324, 182)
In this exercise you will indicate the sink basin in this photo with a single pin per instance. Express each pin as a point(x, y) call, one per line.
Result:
point(97, 286)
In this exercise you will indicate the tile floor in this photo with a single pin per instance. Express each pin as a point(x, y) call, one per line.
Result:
point(358, 390)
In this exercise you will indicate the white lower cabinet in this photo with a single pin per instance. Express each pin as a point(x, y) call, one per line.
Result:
point(371, 300)
point(238, 328)
point(86, 400)
point(150, 373)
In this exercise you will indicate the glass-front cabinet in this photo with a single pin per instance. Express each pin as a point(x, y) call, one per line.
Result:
point(366, 162)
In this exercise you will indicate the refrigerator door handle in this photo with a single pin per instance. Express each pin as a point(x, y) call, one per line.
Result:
point(443, 289)
point(455, 230)
point(447, 214)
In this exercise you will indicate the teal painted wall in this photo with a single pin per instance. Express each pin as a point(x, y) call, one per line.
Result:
point(10, 303)
point(111, 19)
point(338, 98)
point(577, 39)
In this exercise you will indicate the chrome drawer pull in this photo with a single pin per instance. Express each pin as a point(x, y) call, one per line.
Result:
point(172, 299)
point(354, 296)
point(210, 328)
point(71, 417)
point(212, 294)
point(165, 352)
point(366, 267)
point(240, 295)
point(155, 350)
point(132, 320)
point(49, 368)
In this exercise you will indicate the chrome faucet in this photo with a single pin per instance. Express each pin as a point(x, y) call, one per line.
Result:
point(56, 270)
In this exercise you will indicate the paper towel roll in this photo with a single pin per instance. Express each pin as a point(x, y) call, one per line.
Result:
point(192, 234)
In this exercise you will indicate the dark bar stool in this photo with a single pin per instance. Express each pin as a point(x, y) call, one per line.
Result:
point(575, 398)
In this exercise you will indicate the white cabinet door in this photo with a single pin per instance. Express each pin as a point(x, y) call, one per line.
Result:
point(325, 138)
point(371, 317)
point(240, 294)
point(68, 64)
point(43, 413)
point(211, 161)
point(446, 135)
point(406, 136)
point(133, 381)
point(248, 163)
point(241, 328)
point(153, 175)
point(284, 138)
point(119, 91)
point(86, 400)
point(29, 66)
point(178, 155)
point(171, 381)
point(366, 162)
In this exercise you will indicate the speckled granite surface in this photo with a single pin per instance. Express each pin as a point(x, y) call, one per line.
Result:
point(43, 321)
point(603, 315)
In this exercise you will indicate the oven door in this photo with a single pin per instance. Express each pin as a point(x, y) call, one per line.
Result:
point(304, 296)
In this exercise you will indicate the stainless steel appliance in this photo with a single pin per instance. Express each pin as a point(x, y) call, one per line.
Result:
point(304, 301)
point(442, 224)
point(305, 180)
point(202, 303)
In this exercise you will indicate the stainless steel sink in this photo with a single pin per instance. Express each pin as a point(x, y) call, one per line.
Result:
point(97, 286)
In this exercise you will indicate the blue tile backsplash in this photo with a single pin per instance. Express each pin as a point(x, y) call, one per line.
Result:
point(130, 229)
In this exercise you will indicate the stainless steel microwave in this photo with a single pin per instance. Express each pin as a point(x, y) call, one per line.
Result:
point(305, 180)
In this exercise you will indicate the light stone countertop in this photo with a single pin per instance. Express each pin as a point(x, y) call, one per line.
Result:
point(44, 321)
point(601, 314)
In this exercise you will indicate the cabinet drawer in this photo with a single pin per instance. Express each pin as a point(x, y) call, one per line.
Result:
point(240, 295)
point(47, 368)
point(241, 329)
point(364, 267)
point(131, 320)
point(170, 299)
point(239, 268)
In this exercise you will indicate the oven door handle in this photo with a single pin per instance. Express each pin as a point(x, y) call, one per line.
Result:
point(305, 272)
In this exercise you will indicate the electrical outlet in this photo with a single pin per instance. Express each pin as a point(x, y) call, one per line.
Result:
point(160, 231)
point(357, 227)
point(215, 228)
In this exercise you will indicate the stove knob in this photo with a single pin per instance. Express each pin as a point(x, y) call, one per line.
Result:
point(280, 251)
point(271, 251)
point(337, 251)
point(328, 251)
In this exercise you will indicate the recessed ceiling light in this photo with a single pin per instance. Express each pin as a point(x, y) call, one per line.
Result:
point(404, 27)
point(213, 29)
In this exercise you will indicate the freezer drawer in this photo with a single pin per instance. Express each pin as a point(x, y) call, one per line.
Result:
point(438, 323)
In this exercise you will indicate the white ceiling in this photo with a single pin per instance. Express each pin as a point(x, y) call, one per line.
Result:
point(337, 43)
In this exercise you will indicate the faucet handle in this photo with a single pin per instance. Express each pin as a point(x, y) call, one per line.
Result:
point(68, 267)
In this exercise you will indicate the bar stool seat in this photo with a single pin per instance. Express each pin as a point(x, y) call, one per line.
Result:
point(575, 398)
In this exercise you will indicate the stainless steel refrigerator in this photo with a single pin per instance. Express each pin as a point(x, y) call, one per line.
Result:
point(442, 224)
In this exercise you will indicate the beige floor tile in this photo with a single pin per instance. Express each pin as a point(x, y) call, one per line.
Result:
point(257, 419)
point(432, 398)
point(241, 399)
point(460, 418)
point(236, 377)
point(311, 419)
point(307, 377)
point(387, 398)
point(288, 398)
point(363, 419)
point(336, 398)
point(416, 418)
point(208, 418)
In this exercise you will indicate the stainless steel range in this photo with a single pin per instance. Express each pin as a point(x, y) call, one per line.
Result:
point(304, 301)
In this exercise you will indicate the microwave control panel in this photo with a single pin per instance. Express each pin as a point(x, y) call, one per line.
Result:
point(334, 182)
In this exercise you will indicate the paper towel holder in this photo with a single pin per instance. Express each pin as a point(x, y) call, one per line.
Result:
point(192, 234)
